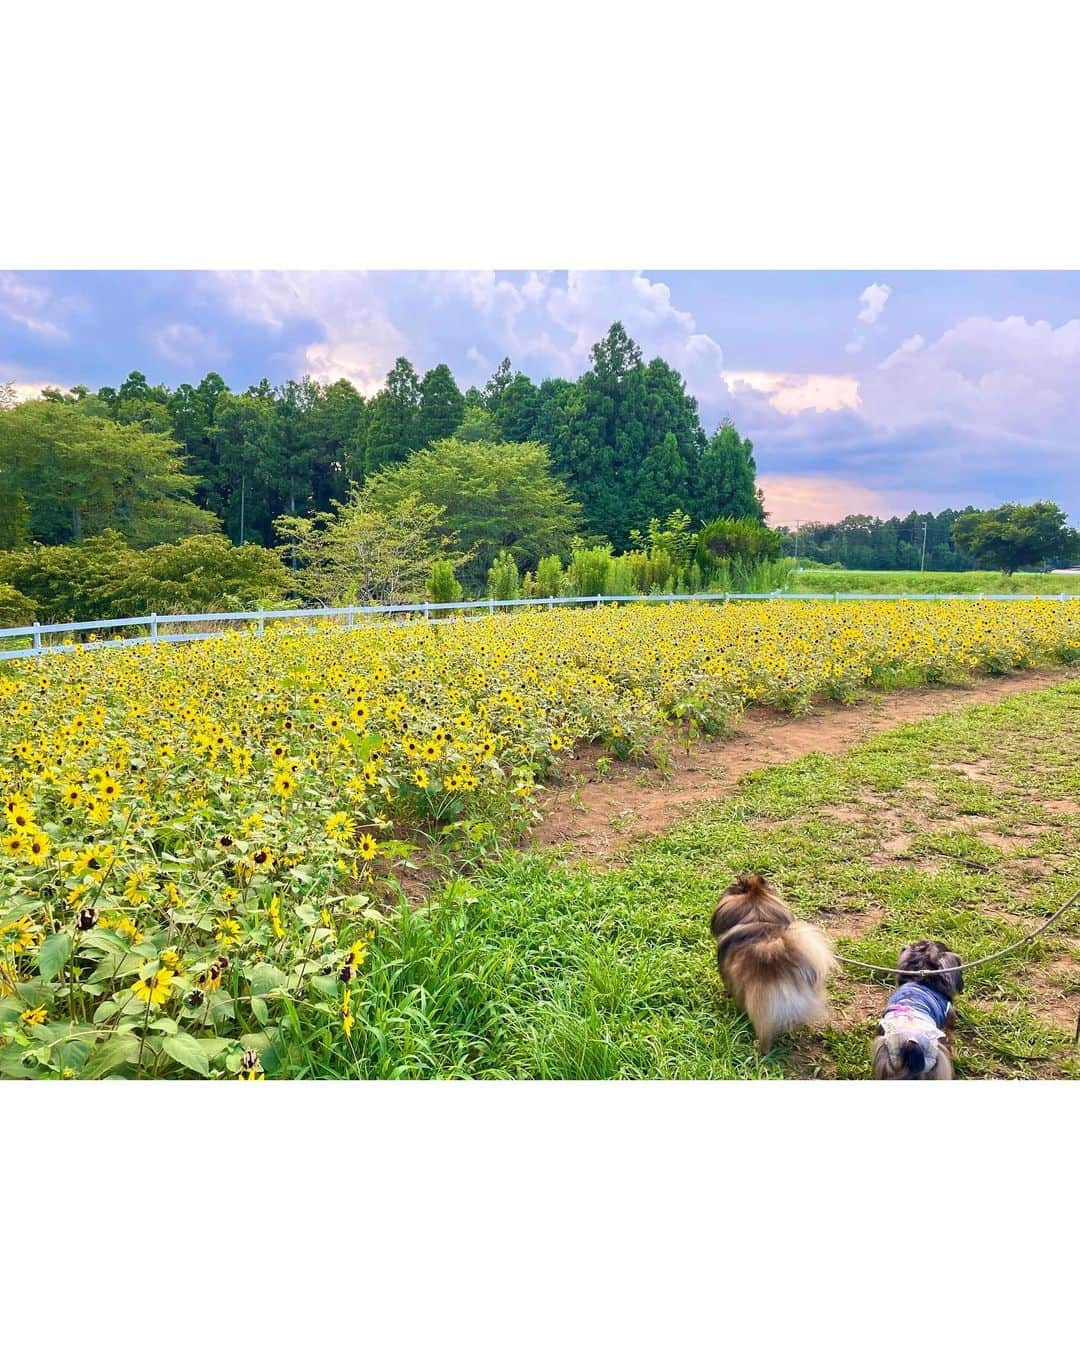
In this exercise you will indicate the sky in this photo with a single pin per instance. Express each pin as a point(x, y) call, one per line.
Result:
point(874, 392)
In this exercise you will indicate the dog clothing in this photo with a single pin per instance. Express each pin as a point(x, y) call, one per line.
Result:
point(916, 1013)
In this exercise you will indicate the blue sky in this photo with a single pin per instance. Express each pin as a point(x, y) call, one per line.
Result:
point(867, 391)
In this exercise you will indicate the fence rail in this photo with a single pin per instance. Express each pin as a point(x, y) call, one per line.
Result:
point(424, 610)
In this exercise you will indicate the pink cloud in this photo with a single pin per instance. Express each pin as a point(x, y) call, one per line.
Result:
point(792, 497)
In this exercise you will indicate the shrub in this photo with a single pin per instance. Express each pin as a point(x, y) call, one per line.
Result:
point(590, 569)
point(503, 581)
point(736, 542)
point(15, 608)
point(443, 586)
point(549, 576)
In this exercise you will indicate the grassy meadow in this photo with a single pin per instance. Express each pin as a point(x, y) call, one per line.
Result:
point(205, 847)
point(962, 830)
point(824, 580)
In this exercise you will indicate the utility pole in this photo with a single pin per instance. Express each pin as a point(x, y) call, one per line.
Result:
point(797, 524)
point(922, 564)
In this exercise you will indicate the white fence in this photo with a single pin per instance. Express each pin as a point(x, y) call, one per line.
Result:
point(347, 616)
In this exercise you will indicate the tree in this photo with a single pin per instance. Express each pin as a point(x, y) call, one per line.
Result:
point(663, 481)
point(517, 409)
point(493, 496)
point(726, 477)
point(442, 406)
point(243, 436)
point(80, 474)
point(443, 587)
point(1014, 535)
point(364, 555)
point(339, 426)
point(496, 387)
point(392, 431)
point(504, 583)
point(105, 578)
point(192, 408)
point(477, 424)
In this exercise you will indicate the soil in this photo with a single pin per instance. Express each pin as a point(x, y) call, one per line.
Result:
point(603, 807)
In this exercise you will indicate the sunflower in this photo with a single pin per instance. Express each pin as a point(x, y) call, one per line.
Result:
point(153, 986)
point(38, 847)
point(367, 846)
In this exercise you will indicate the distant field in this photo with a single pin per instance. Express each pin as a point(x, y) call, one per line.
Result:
point(936, 583)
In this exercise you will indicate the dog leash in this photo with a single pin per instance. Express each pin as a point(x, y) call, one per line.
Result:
point(983, 960)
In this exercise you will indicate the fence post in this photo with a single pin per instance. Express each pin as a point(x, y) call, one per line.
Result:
point(153, 627)
point(491, 605)
point(597, 602)
point(426, 613)
point(551, 602)
point(37, 638)
point(262, 624)
point(836, 596)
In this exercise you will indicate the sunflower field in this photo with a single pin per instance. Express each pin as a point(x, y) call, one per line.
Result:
point(202, 841)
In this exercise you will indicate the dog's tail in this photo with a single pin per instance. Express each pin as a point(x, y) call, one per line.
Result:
point(786, 986)
point(811, 951)
point(913, 1057)
point(752, 884)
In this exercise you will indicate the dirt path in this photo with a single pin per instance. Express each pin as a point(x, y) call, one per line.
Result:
point(601, 809)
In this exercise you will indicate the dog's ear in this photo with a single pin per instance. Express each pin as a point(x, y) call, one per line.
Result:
point(953, 978)
point(881, 1068)
point(906, 961)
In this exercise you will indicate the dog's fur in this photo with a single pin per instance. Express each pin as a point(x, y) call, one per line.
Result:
point(930, 963)
point(773, 965)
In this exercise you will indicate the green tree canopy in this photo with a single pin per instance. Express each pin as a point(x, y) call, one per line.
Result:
point(726, 477)
point(392, 430)
point(104, 577)
point(367, 555)
point(495, 496)
point(442, 406)
point(1014, 535)
point(80, 475)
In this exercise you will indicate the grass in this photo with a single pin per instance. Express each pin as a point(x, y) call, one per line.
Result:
point(538, 970)
point(825, 581)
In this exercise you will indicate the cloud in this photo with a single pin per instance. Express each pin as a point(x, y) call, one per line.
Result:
point(23, 390)
point(807, 497)
point(856, 344)
point(359, 342)
point(587, 305)
point(873, 299)
point(907, 348)
point(791, 394)
point(186, 345)
point(25, 304)
point(1005, 382)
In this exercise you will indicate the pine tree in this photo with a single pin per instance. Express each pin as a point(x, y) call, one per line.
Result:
point(441, 406)
point(663, 482)
point(392, 432)
point(726, 478)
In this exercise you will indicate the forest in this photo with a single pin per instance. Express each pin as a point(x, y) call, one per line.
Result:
point(144, 499)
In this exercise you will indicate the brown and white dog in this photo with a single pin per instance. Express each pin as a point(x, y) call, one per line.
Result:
point(913, 1035)
point(773, 965)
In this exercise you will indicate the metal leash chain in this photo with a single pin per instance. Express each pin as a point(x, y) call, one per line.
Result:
point(969, 965)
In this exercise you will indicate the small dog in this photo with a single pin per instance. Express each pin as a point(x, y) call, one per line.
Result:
point(912, 1040)
point(773, 965)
